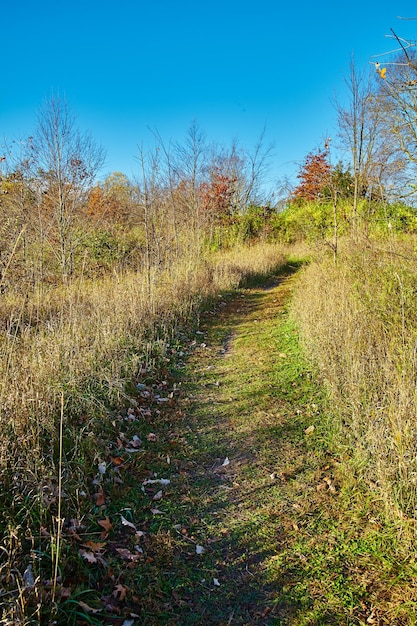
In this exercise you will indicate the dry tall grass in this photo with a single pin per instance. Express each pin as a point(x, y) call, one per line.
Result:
point(88, 339)
point(68, 354)
point(359, 322)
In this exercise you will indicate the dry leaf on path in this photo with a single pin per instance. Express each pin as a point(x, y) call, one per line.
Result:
point(93, 546)
point(127, 555)
point(120, 592)
point(106, 526)
point(88, 556)
point(126, 522)
point(87, 608)
point(157, 481)
point(100, 497)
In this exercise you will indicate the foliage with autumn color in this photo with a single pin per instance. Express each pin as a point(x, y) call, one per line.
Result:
point(314, 176)
point(217, 196)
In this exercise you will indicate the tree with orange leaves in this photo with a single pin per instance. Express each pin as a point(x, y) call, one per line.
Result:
point(314, 176)
point(217, 196)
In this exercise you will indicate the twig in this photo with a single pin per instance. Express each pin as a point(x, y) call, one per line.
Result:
point(58, 518)
point(402, 46)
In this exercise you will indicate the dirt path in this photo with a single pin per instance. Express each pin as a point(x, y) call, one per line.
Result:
point(251, 527)
point(247, 482)
point(221, 502)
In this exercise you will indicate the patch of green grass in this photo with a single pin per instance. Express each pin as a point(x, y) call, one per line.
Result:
point(260, 523)
point(288, 542)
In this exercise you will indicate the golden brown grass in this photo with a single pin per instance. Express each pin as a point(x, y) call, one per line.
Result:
point(359, 322)
point(86, 340)
point(69, 354)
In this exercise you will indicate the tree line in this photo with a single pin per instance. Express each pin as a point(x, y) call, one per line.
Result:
point(373, 183)
point(57, 219)
point(56, 215)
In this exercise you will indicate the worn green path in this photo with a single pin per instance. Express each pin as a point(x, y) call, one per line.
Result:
point(253, 401)
point(252, 485)
point(256, 527)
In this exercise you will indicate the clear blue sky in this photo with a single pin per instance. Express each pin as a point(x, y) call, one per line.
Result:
point(234, 67)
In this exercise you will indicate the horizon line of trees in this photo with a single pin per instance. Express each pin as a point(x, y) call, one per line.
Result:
point(186, 195)
point(376, 182)
point(377, 135)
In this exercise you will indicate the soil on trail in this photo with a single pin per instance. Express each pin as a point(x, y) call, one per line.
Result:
point(234, 511)
point(248, 483)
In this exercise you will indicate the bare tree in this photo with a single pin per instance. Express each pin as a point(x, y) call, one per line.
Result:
point(396, 72)
point(66, 162)
point(256, 169)
point(359, 131)
point(188, 165)
point(19, 203)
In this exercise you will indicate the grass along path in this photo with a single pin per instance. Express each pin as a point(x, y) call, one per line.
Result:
point(269, 536)
point(235, 512)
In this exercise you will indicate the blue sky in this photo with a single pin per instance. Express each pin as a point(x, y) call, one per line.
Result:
point(233, 67)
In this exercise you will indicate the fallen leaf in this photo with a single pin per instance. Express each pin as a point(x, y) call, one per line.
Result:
point(310, 430)
point(88, 609)
point(216, 582)
point(152, 437)
point(199, 549)
point(120, 592)
point(106, 526)
point(94, 547)
point(156, 512)
point(102, 467)
point(226, 462)
point(157, 481)
point(117, 460)
point(127, 555)
point(126, 522)
point(88, 556)
point(100, 497)
point(135, 442)
point(158, 496)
